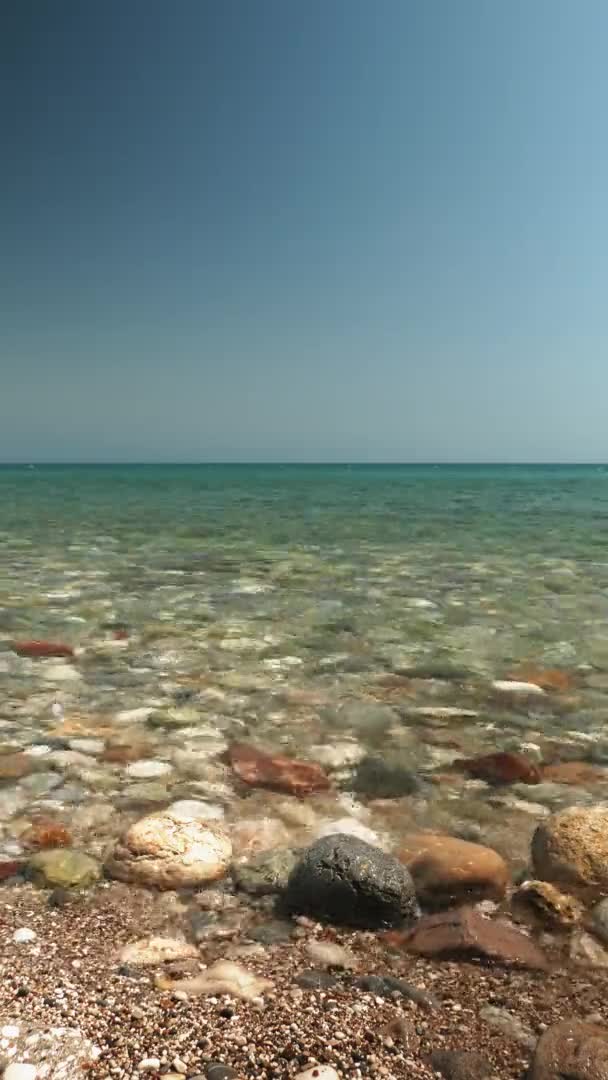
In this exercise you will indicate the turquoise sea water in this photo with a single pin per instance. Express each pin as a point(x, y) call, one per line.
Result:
point(278, 602)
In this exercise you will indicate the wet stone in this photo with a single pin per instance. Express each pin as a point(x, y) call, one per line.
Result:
point(378, 779)
point(461, 1065)
point(266, 873)
point(315, 980)
point(272, 933)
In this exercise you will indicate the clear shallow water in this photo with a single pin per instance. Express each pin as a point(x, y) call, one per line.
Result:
point(278, 603)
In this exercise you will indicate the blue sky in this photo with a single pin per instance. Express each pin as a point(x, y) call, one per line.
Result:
point(321, 230)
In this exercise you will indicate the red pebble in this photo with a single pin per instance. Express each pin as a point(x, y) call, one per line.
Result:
point(42, 648)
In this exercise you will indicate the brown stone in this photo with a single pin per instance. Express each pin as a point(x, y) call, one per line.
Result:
point(543, 904)
point(259, 769)
point(44, 833)
point(501, 768)
point(570, 848)
point(555, 679)
point(578, 773)
point(446, 869)
point(571, 1050)
point(14, 766)
point(10, 867)
point(122, 754)
point(460, 1065)
point(466, 933)
point(403, 1031)
point(42, 649)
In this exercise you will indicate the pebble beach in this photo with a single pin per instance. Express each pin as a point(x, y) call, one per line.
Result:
point(303, 774)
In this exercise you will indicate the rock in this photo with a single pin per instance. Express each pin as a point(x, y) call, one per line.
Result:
point(547, 678)
point(599, 921)
point(42, 649)
point(19, 1071)
point(148, 770)
point(14, 766)
point(546, 905)
point(379, 779)
point(157, 950)
point(168, 852)
point(57, 1053)
point(461, 1065)
point(196, 809)
point(507, 1024)
point(272, 933)
point(571, 1049)
point(586, 950)
point(252, 836)
point(318, 1072)
point(44, 834)
point(339, 755)
point(266, 873)
point(344, 880)
point(10, 868)
point(389, 985)
point(315, 980)
point(326, 954)
point(500, 768)
point(63, 867)
point(466, 932)
point(403, 1031)
point(366, 718)
point(575, 773)
point(223, 977)
point(570, 848)
point(276, 772)
point(517, 687)
point(24, 935)
point(446, 870)
point(217, 1071)
point(348, 826)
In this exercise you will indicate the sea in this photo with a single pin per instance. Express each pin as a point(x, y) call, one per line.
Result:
point(384, 622)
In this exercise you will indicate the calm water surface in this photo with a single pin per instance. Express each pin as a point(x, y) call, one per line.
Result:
point(333, 613)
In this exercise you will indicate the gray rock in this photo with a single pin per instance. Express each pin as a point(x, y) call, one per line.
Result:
point(343, 879)
point(508, 1024)
point(272, 933)
point(363, 717)
point(460, 1065)
point(381, 780)
point(266, 873)
point(599, 921)
point(315, 980)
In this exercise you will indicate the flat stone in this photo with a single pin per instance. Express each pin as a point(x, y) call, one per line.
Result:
point(461, 1065)
point(508, 1024)
point(315, 980)
point(381, 779)
point(465, 932)
point(151, 951)
point(196, 809)
point(64, 868)
point(224, 977)
point(516, 686)
point(148, 770)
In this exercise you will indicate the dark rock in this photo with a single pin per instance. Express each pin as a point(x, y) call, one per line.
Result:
point(60, 897)
point(372, 984)
point(385, 985)
point(345, 880)
point(466, 933)
point(460, 1065)
point(266, 873)
point(272, 933)
point(315, 980)
point(571, 1050)
point(412, 993)
point(381, 780)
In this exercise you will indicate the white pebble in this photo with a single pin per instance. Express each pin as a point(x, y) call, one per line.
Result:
point(9, 1031)
point(180, 1066)
point(146, 770)
point(23, 935)
point(149, 1065)
point(196, 809)
point(512, 686)
point(17, 1071)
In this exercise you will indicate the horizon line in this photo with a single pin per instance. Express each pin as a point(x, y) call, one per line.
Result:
point(265, 463)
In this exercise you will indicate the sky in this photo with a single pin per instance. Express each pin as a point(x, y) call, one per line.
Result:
point(304, 230)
